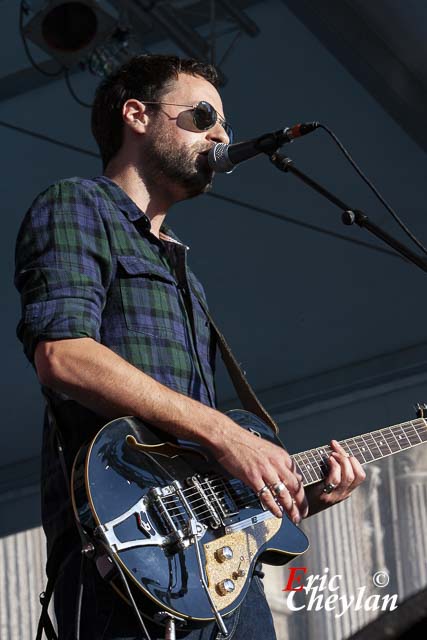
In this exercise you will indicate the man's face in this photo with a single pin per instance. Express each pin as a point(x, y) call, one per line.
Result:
point(174, 154)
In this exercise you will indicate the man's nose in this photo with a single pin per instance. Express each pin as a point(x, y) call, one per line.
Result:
point(217, 134)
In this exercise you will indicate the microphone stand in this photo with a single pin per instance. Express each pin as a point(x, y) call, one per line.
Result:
point(349, 215)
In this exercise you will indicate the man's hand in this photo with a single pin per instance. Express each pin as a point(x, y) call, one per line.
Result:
point(99, 379)
point(345, 474)
point(261, 464)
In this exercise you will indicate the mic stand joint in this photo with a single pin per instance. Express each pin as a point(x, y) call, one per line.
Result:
point(350, 215)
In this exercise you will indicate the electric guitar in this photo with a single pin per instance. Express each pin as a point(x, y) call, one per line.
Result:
point(187, 535)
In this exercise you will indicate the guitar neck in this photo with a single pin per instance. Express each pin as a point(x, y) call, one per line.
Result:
point(313, 464)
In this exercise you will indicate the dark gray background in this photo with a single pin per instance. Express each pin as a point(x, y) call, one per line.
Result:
point(331, 334)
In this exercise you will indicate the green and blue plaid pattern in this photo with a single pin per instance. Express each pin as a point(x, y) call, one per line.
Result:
point(88, 266)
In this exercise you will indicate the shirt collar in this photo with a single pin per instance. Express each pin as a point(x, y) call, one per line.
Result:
point(131, 209)
point(123, 201)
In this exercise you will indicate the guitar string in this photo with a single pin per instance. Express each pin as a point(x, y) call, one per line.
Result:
point(240, 501)
point(389, 438)
point(244, 500)
point(200, 499)
point(245, 494)
point(410, 431)
point(322, 466)
point(207, 485)
point(201, 514)
point(387, 434)
point(217, 487)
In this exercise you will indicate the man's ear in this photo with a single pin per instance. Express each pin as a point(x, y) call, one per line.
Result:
point(134, 115)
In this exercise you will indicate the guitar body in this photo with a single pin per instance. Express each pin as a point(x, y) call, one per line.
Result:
point(122, 485)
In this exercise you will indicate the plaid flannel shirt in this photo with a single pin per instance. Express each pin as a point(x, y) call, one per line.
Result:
point(87, 265)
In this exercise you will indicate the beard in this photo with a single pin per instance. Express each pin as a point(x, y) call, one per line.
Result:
point(175, 167)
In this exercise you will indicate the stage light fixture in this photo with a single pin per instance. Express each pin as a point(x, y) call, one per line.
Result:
point(70, 31)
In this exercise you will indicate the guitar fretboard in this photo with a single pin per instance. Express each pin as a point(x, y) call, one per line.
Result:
point(313, 464)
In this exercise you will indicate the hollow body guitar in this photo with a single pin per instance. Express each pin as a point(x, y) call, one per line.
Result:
point(149, 500)
point(186, 535)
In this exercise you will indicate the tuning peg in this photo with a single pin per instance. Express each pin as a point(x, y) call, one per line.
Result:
point(421, 409)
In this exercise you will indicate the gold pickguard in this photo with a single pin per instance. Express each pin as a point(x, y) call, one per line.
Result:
point(245, 545)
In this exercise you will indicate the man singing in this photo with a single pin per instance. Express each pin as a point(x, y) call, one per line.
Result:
point(113, 322)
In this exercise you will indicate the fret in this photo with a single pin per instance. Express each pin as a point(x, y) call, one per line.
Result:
point(381, 443)
point(421, 430)
point(301, 468)
point(364, 450)
point(354, 449)
point(346, 447)
point(324, 453)
point(390, 439)
point(412, 433)
point(315, 464)
point(306, 468)
point(372, 445)
point(401, 437)
point(396, 443)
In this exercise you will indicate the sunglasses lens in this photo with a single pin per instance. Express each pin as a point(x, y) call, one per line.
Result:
point(204, 116)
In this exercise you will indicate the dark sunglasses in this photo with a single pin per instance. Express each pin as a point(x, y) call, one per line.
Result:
point(205, 116)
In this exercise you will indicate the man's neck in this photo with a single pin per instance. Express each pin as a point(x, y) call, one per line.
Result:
point(154, 205)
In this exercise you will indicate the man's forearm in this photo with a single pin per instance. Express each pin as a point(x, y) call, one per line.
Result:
point(101, 380)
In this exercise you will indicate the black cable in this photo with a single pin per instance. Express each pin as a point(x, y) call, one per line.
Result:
point(373, 188)
point(73, 93)
point(41, 136)
point(80, 596)
point(239, 203)
point(305, 225)
point(123, 577)
point(22, 11)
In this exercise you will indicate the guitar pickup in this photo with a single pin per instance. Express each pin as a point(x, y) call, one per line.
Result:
point(215, 520)
point(222, 498)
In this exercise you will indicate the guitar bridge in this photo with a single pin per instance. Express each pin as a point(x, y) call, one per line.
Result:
point(174, 511)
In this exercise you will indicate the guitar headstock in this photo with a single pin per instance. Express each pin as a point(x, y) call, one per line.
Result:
point(421, 409)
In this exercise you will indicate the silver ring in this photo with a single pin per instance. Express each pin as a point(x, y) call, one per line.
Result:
point(278, 488)
point(328, 488)
point(263, 490)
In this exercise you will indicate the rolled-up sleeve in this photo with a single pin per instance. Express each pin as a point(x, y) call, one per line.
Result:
point(63, 266)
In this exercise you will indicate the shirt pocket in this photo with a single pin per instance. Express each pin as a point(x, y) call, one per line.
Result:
point(150, 298)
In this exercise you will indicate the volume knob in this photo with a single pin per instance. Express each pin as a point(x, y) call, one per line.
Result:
point(225, 586)
point(223, 554)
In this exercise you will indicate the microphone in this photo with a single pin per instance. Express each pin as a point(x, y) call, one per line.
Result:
point(223, 158)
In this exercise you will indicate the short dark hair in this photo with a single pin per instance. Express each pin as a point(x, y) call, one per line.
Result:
point(144, 77)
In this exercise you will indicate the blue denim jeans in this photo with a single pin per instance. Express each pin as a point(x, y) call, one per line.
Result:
point(104, 616)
